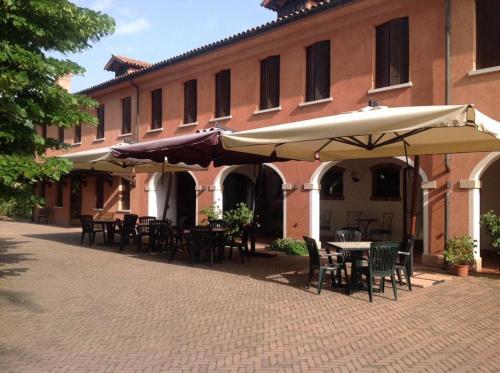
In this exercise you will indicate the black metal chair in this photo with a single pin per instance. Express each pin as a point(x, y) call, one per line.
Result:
point(158, 232)
point(88, 227)
point(239, 240)
point(217, 223)
point(143, 229)
point(352, 220)
point(347, 256)
point(315, 263)
point(381, 263)
point(404, 260)
point(385, 228)
point(201, 240)
point(127, 229)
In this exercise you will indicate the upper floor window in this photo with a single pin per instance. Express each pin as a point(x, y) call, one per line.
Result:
point(487, 33)
point(156, 108)
point(78, 134)
point(190, 101)
point(100, 125)
point(392, 53)
point(318, 71)
point(60, 194)
point(332, 184)
point(99, 204)
point(223, 93)
point(386, 181)
point(126, 115)
point(269, 83)
point(125, 187)
point(60, 134)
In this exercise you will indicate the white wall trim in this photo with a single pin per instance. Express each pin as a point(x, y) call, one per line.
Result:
point(475, 199)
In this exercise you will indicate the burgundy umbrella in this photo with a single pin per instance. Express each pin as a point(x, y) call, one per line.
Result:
point(202, 148)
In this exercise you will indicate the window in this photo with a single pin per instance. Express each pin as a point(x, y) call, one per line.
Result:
point(190, 101)
point(126, 115)
point(318, 71)
point(487, 33)
point(60, 134)
point(99, 192)
point(125, 187)
point(392, 53)
point(386, 182)
point(270, 83)
point(223, 94)
point(44, 131)
point(100, 125)
point(60, 194)
point(156, 109)
point(42, 189)
point(332, 184)
point(78, 134)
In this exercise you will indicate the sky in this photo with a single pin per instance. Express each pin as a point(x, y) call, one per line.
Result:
point(154, 30)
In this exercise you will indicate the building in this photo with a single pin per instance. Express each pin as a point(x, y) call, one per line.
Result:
point(317, 58)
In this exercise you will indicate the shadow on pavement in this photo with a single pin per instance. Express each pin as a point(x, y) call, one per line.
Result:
point(7, 257)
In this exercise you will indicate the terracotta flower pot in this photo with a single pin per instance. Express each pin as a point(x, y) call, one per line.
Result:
point(462, 270)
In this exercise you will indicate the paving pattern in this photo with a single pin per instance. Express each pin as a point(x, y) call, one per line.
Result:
point(70, 308)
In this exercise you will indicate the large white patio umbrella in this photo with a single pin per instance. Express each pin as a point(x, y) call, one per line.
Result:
point(374, 132)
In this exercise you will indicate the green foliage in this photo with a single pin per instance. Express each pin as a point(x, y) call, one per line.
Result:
point(212, 212)
point(491, 222)
point(289, 246)
point(29, 93)
point(460, 250)
point(239, 216)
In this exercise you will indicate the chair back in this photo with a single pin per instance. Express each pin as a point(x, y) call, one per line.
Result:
point(406, 246)
point(144, 229)
point(352, 219)
point(312, 249)
point(218, 223)
point(387, 220)
point(382, 260)
point(107, 215)
point(129, 221)
point(348, 235)
point(87, 222)
point(159, 229)
point(201, 236)
point(146, 219)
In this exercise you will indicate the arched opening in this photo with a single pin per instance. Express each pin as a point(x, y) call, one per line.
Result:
point(182, 201)
point(372, 187)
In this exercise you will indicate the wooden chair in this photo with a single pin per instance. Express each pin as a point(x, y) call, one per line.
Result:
point(88, 227)
point(143, 229)
point(385, 228)
point(201, 240)
point(315, 264)
point(404, 260)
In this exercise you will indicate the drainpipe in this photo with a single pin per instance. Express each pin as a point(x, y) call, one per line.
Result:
point(137, 97)
point(447, 157)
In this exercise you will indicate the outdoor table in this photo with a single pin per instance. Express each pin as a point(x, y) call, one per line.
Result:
point(364, 223)
point(109, 227)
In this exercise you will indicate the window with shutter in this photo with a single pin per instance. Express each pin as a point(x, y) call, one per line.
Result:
point(270, 83)
point(487, 33)
point(78, 134)
point(190, 101)
point(99, 193)
point(392, 53)
point(156, 109)
point(60, 194)
point(223, 94)
point(318, 71)
point(126, 115)
point(100, 125)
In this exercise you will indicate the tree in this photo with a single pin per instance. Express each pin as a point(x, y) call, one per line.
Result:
point(29, 93)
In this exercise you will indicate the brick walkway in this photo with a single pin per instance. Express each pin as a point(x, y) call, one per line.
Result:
point(64, 307)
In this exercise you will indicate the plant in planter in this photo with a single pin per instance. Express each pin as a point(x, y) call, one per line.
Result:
point(460, 252)
point(491, 222)
point(239, 216)
point(212, 212)
point(290, 246)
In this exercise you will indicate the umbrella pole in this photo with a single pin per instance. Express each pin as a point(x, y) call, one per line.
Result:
point(413, 215)
point(255, 199)
point(167, 198)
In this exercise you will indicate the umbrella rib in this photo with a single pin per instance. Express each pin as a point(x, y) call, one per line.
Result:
point(402, 137)
point(378, 139)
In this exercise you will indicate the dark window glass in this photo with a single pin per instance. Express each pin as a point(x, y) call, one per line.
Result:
point(42, 192)
point(386, 181)
point(223, 94)
point(270, 82)
point(190, 101)
point(125, 195)
point(156, 109)
point(44, 131)
point(126, 115)
point(100, 125)
point(392, 53)
point(487, 33)
point(318, 71)
point(60, 194)
point(99, 193)
point(60, 134)
point(332, 184)
point(78, 134)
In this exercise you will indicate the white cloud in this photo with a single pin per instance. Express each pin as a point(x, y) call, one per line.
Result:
point(102, 5)
point(132, 27)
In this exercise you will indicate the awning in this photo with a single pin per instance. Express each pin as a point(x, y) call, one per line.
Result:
point(374, 132)
point(102, 159)
point(202, 148)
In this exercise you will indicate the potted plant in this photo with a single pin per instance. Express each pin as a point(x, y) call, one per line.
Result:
point(460, 252)
point(491, 223)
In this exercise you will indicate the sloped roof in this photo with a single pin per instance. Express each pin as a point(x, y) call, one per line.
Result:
point(123, 60)
point(282, 21)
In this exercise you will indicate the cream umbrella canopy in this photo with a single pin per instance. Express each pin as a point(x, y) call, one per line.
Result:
point(374, 132)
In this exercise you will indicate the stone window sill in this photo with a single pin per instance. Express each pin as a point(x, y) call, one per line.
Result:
point(265, 111)
point(125, 135)
point(154, 130)
point(486, 70)
point(316, 102)
point(99, 140)
point(76, 143)
point(192, 124)
point(391, 88)
point(220, 119)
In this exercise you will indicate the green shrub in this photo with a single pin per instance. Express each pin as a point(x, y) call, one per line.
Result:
point(460, 250)
point(18, 208)
point(290, 246)
point(491, 222)
point(239, 216)
point(212, 212)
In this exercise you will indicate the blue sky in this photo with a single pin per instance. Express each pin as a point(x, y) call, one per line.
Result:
point(153, 30)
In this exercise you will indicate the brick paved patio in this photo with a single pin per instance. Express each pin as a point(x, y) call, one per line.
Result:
point(64, 307)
